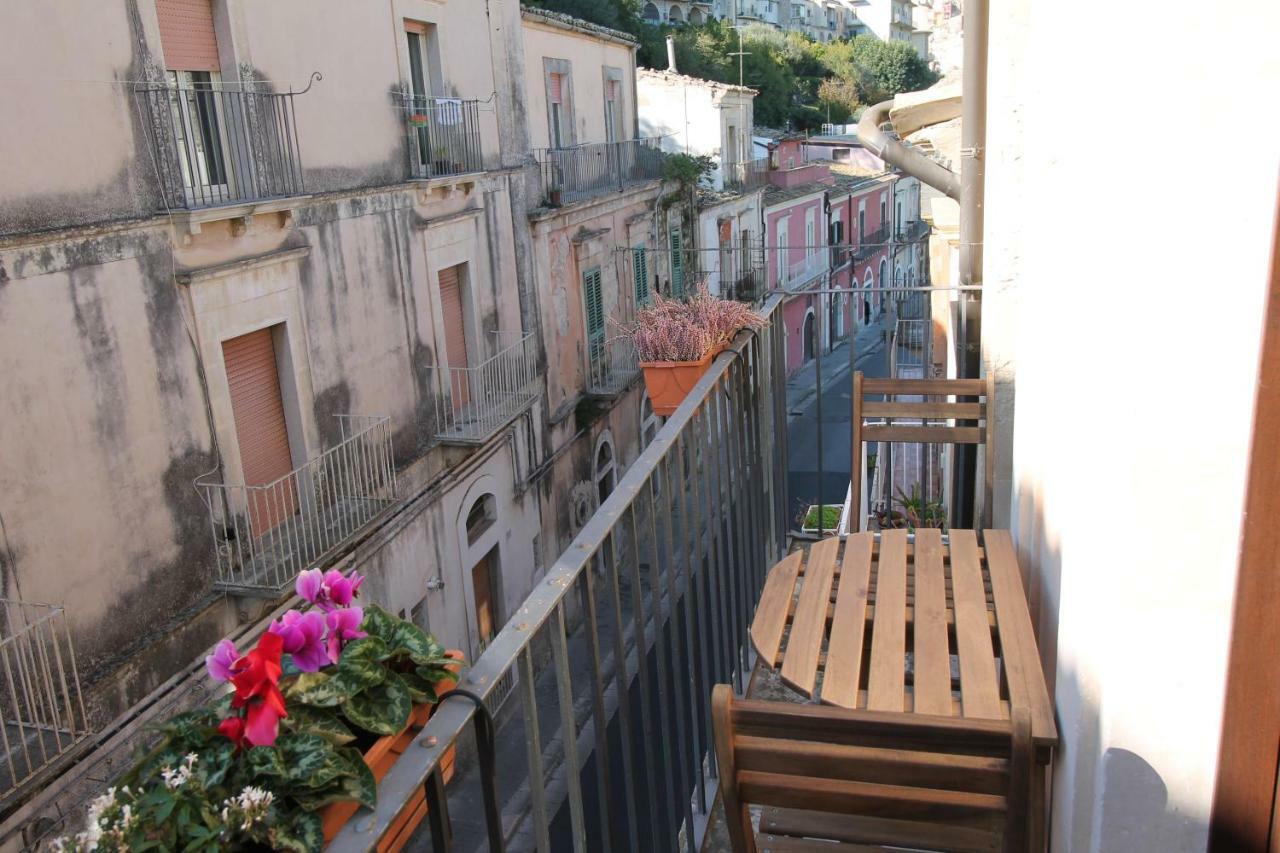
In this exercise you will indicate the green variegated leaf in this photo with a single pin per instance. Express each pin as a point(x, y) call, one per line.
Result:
point(358, 786)
point(266, 761)
point(379, 623)
point(420, 689)
point(299, 831)
point(361, 657)
point(318, 721)
point(309, 759)
point(382, 709)
point(216, 761)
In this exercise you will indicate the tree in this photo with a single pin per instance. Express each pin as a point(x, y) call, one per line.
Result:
point(841, 97)
point(885, 68)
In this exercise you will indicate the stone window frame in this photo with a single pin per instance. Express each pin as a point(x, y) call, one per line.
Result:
point(568, 124)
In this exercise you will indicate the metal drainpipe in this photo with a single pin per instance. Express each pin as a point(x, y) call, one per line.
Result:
point(973, 141)
point(907, 159)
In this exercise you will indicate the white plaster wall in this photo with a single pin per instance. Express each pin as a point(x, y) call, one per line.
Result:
point(1126, 497)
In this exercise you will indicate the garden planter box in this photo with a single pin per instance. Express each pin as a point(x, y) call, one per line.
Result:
point(379, 758)
point(669, 382)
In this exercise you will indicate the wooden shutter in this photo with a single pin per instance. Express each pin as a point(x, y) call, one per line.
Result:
point(611, 90)
point(556, 89)
point(640, 270)
point(187, 36)
point(455, 337)
point(261, 432)
point(593, 303)
point(482, 584)
point(677, 264)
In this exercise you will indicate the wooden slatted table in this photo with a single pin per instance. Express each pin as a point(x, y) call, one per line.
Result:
point(925, 627)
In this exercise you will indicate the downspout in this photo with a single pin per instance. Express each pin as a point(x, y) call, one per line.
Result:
point(907, 159)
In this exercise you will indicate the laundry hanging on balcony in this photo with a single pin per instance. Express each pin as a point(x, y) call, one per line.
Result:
point(448, 111)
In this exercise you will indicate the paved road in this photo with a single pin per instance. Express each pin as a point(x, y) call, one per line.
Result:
point(806, 469)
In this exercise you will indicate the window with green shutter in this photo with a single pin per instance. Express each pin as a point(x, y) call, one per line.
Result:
point(677, 264)
point(640, 271)
point(593, 302)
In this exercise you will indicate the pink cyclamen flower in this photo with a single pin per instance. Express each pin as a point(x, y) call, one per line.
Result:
point(341, 590)
point(344, 625)
point(303, 636)
point(309, 585)
point(222, 663)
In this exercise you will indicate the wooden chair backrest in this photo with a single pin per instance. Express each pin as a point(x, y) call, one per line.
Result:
point(975, 398)
point(872, 777)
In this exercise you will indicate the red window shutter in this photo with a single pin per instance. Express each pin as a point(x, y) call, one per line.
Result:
point(557, 88)
point(187, 36)
point(612, 92)
point(261, 432)
point(455, 340)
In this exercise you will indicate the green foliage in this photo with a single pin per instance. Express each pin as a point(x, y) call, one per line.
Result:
point(686, 169)
point(830, 517)
point(195, 791)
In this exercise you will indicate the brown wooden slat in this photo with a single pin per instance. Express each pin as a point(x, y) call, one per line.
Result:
point(979, 691)
point(893, 801)
point(923, 409)
point(775, 601)
point(926, 434)
point(800, 666)
point(973, 773)
point(859, 829)
point(932, 656)
point(960, 387)
point(1017, 639)
point(848, 624)
point(785, 844)
point(885, 680)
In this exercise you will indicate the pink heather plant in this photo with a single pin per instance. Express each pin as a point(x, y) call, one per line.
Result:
point(676, 330)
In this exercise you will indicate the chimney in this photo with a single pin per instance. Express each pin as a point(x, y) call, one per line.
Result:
point(671, 54)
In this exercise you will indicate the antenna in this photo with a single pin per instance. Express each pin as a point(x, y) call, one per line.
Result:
point(741, 53)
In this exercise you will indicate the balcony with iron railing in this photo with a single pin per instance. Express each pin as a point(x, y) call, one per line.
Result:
point(872, 242)
point(264, 535)
point(913, 230)
point(582, 172)
point(746, 176)
point(612, 366)
point(443, 136)
point(219, 144)
point(474, 403)
point(42, 715)
point(808, 269)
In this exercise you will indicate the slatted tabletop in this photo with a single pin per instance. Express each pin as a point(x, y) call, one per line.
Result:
point(930, 626)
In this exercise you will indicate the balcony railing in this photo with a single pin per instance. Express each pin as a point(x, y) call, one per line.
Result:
point(585, 171)
point(264, 535)
point(809, 268)
point(651, 602)
point(220, 144)
point(42, 711)
point(746, 176)
point(909, 232)
point(443, 136)
point(474, 403)
point(613, 366)
point(872, 242)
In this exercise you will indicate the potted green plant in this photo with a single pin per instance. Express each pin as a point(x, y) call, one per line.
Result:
point(284, 758)
point(675, 341)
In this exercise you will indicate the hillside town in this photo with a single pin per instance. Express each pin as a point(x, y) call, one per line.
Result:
point(596, 425)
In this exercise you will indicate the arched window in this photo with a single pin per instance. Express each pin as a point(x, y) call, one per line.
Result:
point(884, 280)
point(651, 13)
point(695, 17)
point(864, 306)
point(482, 515)
point(808, 335)
point(605, 470)
point(650, 423)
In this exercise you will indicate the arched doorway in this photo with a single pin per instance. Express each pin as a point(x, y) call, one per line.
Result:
point(884, 283)
point(651, 13)
point(833, 319)
point(696, 17)
point(808, 336)
point(605, 475)
point(675, 16)
point(864, 312)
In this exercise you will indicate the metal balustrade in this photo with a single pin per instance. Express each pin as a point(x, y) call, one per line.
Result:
point(746, 176)
point(617, 648)
point(585, 171)
point(872, 242)
point(808, 268)
point(909, 232)
point(473, 403)
point(443, 136)
point(220, 144)
point(265, 534)
point(42, 711)
point(613, 365)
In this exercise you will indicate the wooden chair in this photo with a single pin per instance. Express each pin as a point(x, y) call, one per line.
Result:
point(965, 428)
point(868, 778)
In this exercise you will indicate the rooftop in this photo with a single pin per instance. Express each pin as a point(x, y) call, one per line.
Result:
point(667, 76)
point(568, 22)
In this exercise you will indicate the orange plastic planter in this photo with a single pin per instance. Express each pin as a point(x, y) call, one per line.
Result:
point(380, 757)
point(669, 382)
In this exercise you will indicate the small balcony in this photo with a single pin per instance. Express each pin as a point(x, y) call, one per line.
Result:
point(571, 175)
point(43, 713)
point(443, 136)
point(872, 242)
point(613, 367)
point(806, 270)
point(264, 535)
point(909, 232)
point(747, 176)
point(222, 144)
point(475, 403)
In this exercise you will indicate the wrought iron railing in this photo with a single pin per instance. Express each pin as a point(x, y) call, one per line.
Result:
point(443, 136)
point(651, 602)
point(872, 242)
point(42, 713)
point(909, 232)
point(613, 364)
point(808, 268)
point(219, 144)
point(585, 171)
point(265, 534)
point(473, 403)
point(747, 176)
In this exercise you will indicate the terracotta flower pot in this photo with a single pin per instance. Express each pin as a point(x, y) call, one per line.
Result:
point(669, 382)
point(380, 757)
